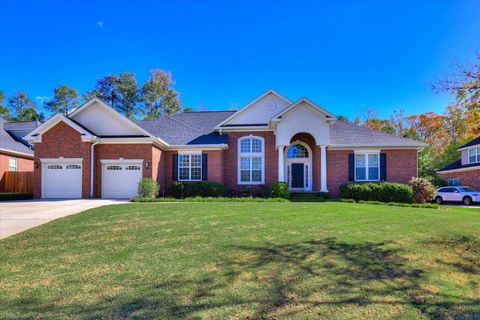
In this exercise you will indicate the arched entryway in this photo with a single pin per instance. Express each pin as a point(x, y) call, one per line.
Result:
point(298, 166)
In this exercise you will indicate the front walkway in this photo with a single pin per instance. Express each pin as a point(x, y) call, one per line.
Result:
point(18, 216)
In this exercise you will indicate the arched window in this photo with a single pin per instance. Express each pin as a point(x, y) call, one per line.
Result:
point(297, 151)
point(251, 160)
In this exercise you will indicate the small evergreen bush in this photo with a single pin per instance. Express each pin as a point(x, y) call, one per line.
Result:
point(148, 188)
point(280, 190)
point(182, 190)
point(383, 192)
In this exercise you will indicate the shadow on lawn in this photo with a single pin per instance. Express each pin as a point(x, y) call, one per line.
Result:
point(276, 281)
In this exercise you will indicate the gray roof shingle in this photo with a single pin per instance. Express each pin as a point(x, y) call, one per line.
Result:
point(348, 134)
point(188, 128)
point(10, 142)
point(474, 142)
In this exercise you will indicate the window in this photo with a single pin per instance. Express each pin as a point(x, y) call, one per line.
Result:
point(189, 167)
point(297, 151)
point(54, 167)
point(251, 160)
point(73, 166)
point(132, 168)
point(454, 182)
point(367, 167)
point(474, 155)
point(114, 168)
point(447, 190)
point(12, 164)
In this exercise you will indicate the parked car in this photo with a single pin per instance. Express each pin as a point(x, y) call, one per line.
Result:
point(466, 195)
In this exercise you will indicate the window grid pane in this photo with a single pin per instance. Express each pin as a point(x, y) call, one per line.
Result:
point(245, 146)
point(250, 164)
point(256, 145)
point(190, 167)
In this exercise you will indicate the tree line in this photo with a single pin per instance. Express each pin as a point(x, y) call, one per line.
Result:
point(444, 133)
point(156, 97)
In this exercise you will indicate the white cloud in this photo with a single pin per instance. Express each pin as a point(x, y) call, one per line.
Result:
point(100, 24)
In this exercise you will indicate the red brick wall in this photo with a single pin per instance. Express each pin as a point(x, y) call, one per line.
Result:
point(215, 166)
point(469, 178)
point(401, 167)
point(23, 164)
point(158, 166)
point(62, 141)
point(337, 170)
point(116, 151)
point(230, 157)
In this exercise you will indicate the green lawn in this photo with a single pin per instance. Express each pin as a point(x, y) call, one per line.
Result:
point(246, 261)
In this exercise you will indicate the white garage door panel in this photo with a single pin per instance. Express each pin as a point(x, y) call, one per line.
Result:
point(62, 180)
point(120, 180)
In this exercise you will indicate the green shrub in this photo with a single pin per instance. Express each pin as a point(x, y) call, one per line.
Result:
point(423, 190)
point(383, 192)
point(182, 190)
point(209, 199)
point(148, 188)
point(280, 190)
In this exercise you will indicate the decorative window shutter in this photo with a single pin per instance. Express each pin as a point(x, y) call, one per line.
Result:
point(351, 167)
point(383, 167)
point(204, 167)
point(175, 167)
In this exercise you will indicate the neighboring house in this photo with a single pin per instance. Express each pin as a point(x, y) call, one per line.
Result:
point(15, 153)
point(96, 152)
point(466, 171)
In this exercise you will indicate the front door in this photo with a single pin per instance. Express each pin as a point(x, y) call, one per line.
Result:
point(297, 176)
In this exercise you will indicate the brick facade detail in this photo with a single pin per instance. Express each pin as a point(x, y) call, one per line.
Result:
point(230, 158)
point(401, 167)
point(62, 141)
point(469, 178)
point(23, 165)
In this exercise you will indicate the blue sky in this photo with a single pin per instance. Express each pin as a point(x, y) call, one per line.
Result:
point(346, 56)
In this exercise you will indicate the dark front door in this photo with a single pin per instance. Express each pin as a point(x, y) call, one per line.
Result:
point(297, 175)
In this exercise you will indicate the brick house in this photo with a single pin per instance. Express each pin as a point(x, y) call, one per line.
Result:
point(466, 170)
point(15, 153)
point(96, 152)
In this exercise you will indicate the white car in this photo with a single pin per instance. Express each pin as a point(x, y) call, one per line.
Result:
point(466, 195)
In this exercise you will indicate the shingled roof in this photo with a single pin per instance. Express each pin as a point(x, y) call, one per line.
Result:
point(348, 134)
point(10, 142)
point(188, 128)
point(474, 142)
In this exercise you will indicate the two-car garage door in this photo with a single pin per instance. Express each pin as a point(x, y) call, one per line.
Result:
point(62, 179)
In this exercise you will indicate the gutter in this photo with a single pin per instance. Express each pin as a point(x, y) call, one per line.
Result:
point(92, 164)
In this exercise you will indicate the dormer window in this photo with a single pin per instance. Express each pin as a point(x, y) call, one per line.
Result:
point(474, 155)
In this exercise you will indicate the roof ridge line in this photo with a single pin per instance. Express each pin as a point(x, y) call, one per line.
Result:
point(381, 132)
point(183, 124)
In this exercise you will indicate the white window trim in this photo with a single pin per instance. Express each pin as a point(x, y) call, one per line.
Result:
point(16, 163)
point(367, 153)
point(477, 154)
point(250, 154)
point(190, 165)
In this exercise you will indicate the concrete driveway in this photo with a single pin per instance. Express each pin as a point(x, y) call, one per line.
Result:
point(18, 216)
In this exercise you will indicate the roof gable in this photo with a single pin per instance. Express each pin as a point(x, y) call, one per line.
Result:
point(302, 103)
point(35, 135)
point(259, 111)
point(103, 120)
point(474, 142)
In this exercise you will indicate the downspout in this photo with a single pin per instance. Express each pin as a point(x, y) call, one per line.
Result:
point(92, 165)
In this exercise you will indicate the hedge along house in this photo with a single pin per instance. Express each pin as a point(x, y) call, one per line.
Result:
point(466, 170)
point(96, 152)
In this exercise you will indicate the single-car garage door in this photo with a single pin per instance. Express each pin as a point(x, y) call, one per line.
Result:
point(62, 180)
point(120, 180)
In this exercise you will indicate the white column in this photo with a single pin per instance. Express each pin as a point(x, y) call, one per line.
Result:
point(281, 165)
point(323, 169)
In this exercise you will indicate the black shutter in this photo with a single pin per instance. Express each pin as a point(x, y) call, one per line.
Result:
point(383, 167)
point(351, 167)
point(204, 167)
point(175, 167)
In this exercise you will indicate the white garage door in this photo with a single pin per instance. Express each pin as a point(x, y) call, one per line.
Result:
point(62, 180)
point(120, 180)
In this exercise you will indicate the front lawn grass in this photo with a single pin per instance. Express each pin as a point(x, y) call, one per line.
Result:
point(246, 261)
